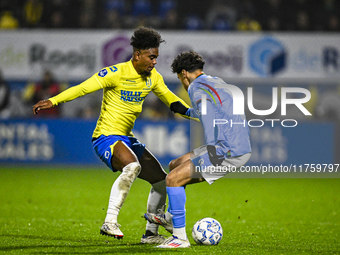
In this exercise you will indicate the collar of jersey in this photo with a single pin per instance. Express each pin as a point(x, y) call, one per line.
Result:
point(201, 75)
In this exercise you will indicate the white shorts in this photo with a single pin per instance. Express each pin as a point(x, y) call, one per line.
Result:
point(204, 168)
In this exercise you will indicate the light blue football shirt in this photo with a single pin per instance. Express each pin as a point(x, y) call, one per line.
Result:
point(229, 133)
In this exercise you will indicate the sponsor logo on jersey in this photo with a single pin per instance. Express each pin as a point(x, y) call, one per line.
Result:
point(131, 96)
point(113, 69)
point(102, 73)
point(130, 83)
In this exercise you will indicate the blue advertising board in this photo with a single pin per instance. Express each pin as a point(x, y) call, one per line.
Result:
point(47, 141)
point(60, 141)
point(307, 143)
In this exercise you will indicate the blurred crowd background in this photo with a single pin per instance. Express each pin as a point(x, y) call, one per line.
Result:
point(215, 15)
point(223, 15)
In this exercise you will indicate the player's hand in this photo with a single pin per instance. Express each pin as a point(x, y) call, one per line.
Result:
point(42, 105)
point(215, 159)
point(178, 107)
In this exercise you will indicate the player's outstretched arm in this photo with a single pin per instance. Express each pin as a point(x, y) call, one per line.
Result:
point(42, 105)
point(178, 107)
point(89, 86)
point(176, 104)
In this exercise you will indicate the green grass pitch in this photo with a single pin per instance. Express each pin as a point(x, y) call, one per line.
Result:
point(60, 211)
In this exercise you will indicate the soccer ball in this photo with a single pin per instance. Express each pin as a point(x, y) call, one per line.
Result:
point(207, 231)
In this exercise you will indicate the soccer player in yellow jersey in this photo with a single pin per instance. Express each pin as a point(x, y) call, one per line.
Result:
point(125, 87)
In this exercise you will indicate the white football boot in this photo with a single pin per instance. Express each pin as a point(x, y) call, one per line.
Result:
point(111, 229)
point(159, 219)
point(174, 242)
point(154, 239)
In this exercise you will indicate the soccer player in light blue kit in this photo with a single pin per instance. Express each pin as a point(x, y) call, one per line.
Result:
point(226, 136)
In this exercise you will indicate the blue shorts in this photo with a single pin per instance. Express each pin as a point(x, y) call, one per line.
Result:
point(103, 146)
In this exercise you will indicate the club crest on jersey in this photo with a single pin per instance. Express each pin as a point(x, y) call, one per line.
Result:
point(148, 83)
point(102, 73)
point(131, 96)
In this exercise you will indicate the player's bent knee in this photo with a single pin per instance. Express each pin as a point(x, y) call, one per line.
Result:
point(173, 164)
point(172, 181)
point(168, 181)
point(131, 171)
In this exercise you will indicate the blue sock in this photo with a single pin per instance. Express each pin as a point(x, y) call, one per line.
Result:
point(177, 198)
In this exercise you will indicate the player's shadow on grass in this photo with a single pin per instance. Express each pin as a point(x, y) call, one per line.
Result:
point(86, 246)
point(48, 238)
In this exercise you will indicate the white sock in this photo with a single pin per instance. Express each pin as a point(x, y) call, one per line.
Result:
point(120, 189)
point(168, 216)
point(156, 200)
point(180, 233)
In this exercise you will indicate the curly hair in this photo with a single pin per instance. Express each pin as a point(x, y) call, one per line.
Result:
point(145, 38)
point(189, 61)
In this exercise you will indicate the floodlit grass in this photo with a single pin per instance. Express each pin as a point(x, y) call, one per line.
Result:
point(60, 211)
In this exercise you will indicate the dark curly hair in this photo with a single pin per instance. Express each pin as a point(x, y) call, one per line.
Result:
point(189, 61)
point(145, 38)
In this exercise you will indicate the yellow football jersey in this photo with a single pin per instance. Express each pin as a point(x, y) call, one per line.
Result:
point(124, 91)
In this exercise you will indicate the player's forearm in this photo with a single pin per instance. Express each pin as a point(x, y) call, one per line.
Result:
point(87, 87)
point(170, 98)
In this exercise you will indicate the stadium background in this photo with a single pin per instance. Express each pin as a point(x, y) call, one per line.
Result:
point(54, 190)
point(239, 41)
